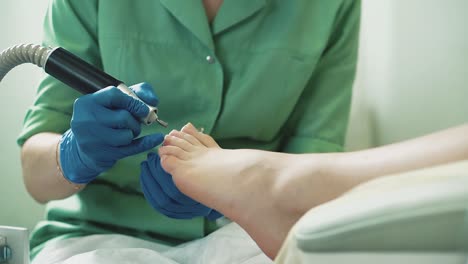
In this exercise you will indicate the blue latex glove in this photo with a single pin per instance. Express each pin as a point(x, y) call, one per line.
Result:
point(164, 196)
point(103, 129)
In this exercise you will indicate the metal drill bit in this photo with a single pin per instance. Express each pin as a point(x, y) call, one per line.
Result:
point(162, 123)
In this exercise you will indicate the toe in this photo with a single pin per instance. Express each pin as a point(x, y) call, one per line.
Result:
point(176, 133)
point(182, 135)
point(208, 141)
point(193, 140)
point(179, 142)
point(205, 139)
point(170, 163)
point(173, 151)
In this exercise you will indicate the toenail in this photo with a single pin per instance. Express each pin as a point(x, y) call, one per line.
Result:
point(191, 125)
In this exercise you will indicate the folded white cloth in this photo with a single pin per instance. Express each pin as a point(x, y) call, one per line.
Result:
point(228, 245)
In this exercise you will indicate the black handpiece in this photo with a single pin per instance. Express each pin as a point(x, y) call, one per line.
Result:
point(77, 73)
point(86, 78)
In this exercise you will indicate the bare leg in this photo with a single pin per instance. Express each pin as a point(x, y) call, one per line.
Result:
point(247, 186)
point(267, 192)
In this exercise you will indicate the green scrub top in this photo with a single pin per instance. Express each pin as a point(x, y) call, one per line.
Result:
point(265, 74)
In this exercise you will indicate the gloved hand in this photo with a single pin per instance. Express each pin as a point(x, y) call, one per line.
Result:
point(164, 196)
point(103, 129)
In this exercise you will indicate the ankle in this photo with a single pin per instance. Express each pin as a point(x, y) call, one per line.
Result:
point(252, 185)
point(305, 182)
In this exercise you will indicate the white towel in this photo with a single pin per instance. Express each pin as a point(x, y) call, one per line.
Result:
point(228, 245)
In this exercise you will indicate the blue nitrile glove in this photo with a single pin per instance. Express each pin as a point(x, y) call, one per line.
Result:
point(103, 129)
point(164, 196)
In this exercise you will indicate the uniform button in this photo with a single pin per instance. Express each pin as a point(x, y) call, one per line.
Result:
point(210, 59)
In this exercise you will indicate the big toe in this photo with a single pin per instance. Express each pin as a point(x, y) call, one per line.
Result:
point(205, 139)
point(170, 163)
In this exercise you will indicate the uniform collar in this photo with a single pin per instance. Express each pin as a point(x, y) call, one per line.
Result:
point(191, 14)
point(232, 12)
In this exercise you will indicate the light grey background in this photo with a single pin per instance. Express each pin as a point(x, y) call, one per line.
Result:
point(412, 79)
point(21, 22)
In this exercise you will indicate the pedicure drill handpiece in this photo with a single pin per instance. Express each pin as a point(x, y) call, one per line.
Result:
point(69, 69)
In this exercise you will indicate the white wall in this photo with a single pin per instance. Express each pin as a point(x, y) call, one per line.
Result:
point(428, 69)
point(21, 22)
point(413, 76)
point(372, 71)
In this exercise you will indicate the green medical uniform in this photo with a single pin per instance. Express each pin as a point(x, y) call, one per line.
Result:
point(265, 74)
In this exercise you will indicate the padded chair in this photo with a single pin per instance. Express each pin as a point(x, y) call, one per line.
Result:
point(415, 217)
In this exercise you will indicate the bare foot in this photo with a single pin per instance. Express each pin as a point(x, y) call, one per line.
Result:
point(244, 185)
